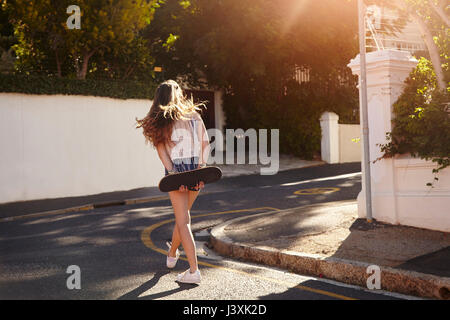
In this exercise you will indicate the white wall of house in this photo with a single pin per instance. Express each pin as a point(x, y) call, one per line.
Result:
point(61, 146)
point(340, 142)
point(399, 191)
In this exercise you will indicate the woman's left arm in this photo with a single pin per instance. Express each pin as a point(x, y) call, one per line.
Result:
point(164, 157)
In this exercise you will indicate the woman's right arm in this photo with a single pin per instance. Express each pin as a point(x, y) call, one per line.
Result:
point(164, 157)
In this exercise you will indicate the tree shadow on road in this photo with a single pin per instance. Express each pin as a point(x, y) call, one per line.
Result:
point(135, 294)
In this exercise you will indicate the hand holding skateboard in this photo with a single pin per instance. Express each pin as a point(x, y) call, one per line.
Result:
point(193, 179)
point(199, 186)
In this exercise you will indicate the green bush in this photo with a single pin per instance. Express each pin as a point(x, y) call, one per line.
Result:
point(421, 126)
point(43, 84)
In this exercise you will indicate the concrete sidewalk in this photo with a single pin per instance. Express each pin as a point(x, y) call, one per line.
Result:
point(286, 162)
point(328, 240)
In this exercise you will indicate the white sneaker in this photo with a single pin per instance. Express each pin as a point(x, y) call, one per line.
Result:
point(188, 277)
point(172, 261)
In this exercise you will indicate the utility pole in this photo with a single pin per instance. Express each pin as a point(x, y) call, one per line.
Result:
point(364, 111)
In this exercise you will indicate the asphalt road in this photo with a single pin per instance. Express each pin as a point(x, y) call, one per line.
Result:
point(119, 250)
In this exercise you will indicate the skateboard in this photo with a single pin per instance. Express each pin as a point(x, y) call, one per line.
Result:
point(191, 178)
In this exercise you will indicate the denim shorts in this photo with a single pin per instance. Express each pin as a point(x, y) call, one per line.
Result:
point(186, 164)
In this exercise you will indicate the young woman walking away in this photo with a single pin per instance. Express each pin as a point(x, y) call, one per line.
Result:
point(176, 129)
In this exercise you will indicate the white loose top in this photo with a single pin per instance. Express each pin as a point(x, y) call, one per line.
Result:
point(186, 138)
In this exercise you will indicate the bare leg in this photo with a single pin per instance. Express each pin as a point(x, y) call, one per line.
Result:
point(176, 239)
point(180, 203)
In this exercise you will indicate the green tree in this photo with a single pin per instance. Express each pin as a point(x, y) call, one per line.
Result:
point(220, 39)
point(109, 29)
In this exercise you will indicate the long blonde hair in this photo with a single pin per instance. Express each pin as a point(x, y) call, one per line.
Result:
point(169, 105)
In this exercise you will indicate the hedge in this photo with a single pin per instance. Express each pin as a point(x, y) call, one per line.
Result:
point(37, 84)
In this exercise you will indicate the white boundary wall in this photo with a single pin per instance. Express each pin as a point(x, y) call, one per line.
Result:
point(399, 191)
point(340, 142)
point(61, 146)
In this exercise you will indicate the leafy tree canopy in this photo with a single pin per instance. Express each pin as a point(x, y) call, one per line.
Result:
point(109, 28)
point(229, 42)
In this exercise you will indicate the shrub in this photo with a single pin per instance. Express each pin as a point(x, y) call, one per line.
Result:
point(421, 124)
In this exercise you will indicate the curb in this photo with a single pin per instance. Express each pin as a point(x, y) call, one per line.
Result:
point(346, 271)
point(91, 206)
point(51, 212)
point(85, 207)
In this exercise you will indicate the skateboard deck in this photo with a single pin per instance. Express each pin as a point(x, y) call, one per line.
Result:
point(191, 178)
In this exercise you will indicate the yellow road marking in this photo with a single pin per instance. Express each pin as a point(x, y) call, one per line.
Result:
point(147, 240)
point(316, 191)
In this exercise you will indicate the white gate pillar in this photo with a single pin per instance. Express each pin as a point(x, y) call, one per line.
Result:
point(386, 73)
point(330, 137)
